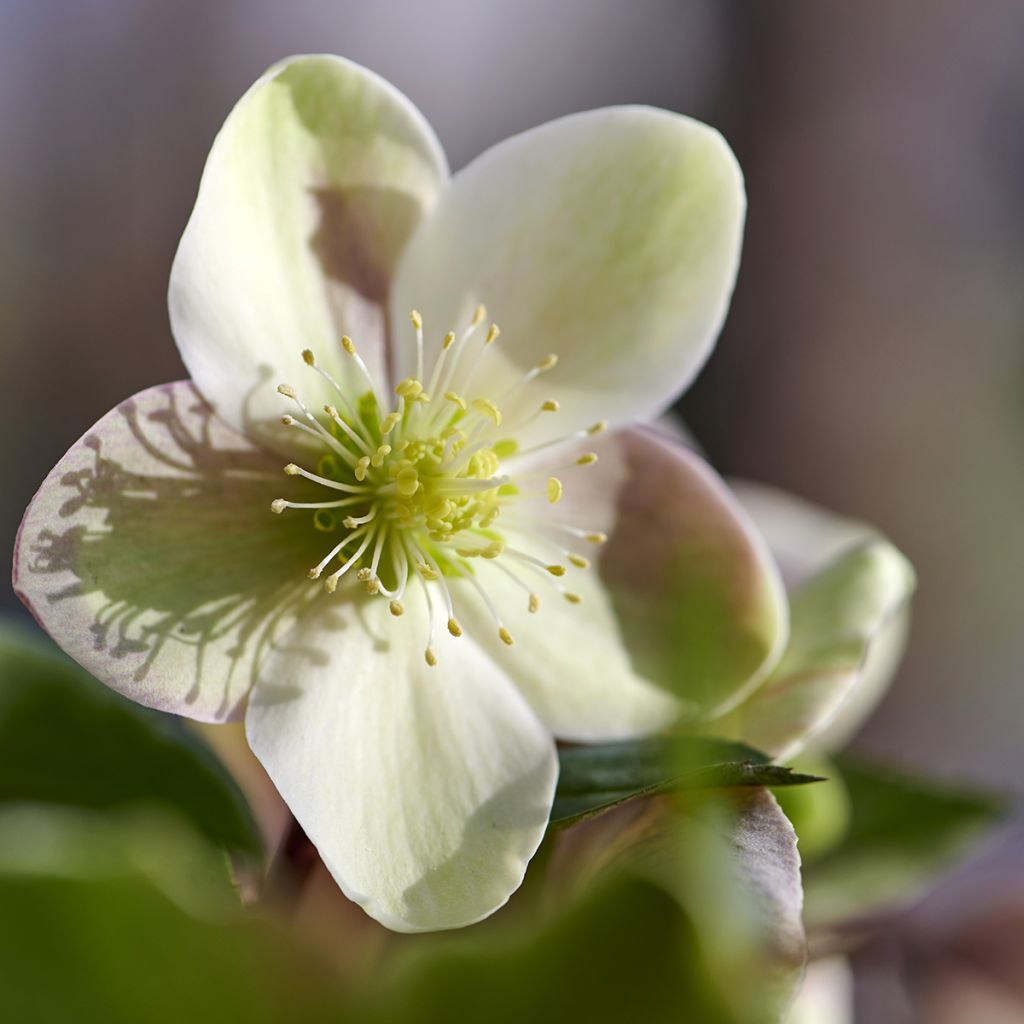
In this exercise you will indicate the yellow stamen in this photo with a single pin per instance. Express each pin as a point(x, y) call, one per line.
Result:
point(579, 561)
point(361, 467)
point(489, 409)
point(587, 460)
point(456, 399)
point(534, 604)
point(556, 570)
point(396, 609)
point(430, 657)
point(506, 636)
point(348, 345)
point(454, 628)
point(554, 490)
point(278, 505)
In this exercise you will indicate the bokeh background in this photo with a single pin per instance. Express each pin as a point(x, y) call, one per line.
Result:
point(873, 360)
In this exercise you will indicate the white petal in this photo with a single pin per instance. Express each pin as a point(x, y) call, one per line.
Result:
point(151, 556)
point(311, 189)
point(426, 790)
point(805, 539)
point(683, 595)
point(610, 238)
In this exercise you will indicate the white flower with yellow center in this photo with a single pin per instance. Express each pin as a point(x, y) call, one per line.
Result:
point(498, 557)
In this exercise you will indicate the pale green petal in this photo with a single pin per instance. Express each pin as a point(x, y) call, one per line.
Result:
point(151, 556)
point(311, 189)
point(805, 539)
point(836, 617)
point(610, 238)
point(425, 790)
point(683, 595)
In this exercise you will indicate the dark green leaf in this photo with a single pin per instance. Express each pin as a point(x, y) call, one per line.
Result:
point(66, 739)
point(118, 919)
point(594, 779)
point(903, 832)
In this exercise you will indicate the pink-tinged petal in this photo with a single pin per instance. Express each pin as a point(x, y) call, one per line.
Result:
point(311, 189)
point(610, 238)
point(683, 595)
point(425, 790)
point(150, 554)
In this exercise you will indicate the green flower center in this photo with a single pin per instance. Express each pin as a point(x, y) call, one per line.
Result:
point(416, 493)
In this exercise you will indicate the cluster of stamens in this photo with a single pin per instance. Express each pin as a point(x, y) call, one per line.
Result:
point(417, 492)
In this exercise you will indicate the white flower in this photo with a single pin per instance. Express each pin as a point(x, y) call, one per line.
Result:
point(448, 471)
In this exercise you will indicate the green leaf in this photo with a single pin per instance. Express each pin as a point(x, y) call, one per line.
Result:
point(903, 833)
point(66, 739)
point(117, 919)
point(594, 779)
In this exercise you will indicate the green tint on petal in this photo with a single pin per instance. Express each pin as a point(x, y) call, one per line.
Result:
point(425, 790)
point(610, 238)
point(151, 556)
point(836, 616)
point(309, 194)
point(698, 598)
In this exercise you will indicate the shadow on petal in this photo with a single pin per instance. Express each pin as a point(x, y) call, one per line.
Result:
point(151, 555)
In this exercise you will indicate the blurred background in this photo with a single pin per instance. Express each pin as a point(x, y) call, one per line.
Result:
point(873, 360)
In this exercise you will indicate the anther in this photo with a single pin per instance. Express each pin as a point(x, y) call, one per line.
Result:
point(556, 570)
point(449, 340)
point(407, 482)
point(348, 345)
point(456, 399)
point(396, 609)
point(378, 457)
point(573, 598)
point(454, 628)
point(597, 428)
point(308, 358)
point(287, 420)
point(587, 460)
point(286, 389)
point(416, 320)
point(534, 604)
point(430, 657)
point(506, 636)
point(361, 466)
point(595, 538)
point(579, 561)
point(292, 470)
point(389, 423)
point(549, 406)
point(478, 315)
point(554, 489)
point(492, 334)
point(409, 388)
point(278, 505)
point(547, 363)
point(363, 575)
point(489, 409)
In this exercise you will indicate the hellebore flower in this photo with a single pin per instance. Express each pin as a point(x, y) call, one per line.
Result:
point(502, 555)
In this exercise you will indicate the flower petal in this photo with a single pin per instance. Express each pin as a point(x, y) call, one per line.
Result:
point(683, 595)
point(610, 238)
point(310, 191)
point(805, 540)
point(836, 617)
point(426, 790)
point(151, 556)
